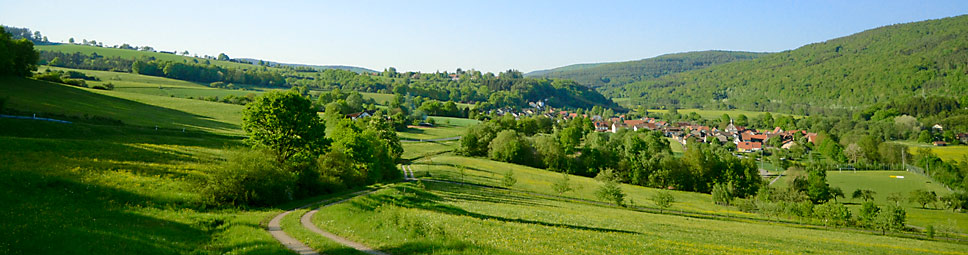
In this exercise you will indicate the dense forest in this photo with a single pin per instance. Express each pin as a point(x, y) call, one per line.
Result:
point(874, 66)
point(620, 73)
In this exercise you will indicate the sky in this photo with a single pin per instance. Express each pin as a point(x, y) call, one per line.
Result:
point(490, 36)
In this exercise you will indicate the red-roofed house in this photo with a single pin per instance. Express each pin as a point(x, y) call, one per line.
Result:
point(749, 146)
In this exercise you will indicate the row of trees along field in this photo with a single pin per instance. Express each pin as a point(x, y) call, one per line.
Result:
point(509, 89)
point(488, 91)
point(292, 156)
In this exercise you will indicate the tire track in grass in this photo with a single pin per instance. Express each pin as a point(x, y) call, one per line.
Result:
point(275, 229)
point(307, 222)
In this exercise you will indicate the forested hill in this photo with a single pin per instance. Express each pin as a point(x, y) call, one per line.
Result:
point(877, 65)
point(621, 73)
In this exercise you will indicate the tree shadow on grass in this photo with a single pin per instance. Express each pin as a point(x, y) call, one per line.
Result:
point(420, 199)
point(53, 215)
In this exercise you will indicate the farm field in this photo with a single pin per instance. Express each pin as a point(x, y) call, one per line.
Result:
point(881, 183)
point(444, 218)
point(949, 153)
point(439, 131)
point(412, 150)
point(31, 96)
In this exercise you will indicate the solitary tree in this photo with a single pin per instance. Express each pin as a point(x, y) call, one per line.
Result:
point(923, 197)
point(865, 194)
point(722, 194)
point(563, 185)
point(892, 218)
point(285, 123)
point(836, 192)
point(868, 213)
point(663, 199)
point(610, 191)
point(896, 198)
point(509, 179)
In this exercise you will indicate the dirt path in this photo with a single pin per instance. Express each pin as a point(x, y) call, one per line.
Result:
point(291, 243)
point(308, 223)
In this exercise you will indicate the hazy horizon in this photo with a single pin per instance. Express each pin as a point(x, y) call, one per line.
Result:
point(433, 36)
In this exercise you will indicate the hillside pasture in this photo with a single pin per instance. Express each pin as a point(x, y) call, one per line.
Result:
point(31, 96)
point(96, 189)
point(444, 218)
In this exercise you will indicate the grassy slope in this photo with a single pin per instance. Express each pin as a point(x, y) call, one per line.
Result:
point(131, 108)
point(91, 189)
point(454, 219)
point(131, 189)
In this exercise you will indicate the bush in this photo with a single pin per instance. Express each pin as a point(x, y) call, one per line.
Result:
point(76, 82)
point(722, 194)
point(106, 86)
point(249, 177)
point(610, 191)
point(50, 76)
point(747, 205)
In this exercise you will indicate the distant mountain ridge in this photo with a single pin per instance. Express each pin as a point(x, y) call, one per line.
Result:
point(321, 67)
point(621, 73)
point(920, 58)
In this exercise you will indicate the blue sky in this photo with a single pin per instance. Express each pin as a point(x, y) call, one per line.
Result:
point(444, 35)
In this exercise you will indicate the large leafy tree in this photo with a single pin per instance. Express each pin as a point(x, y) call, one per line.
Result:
point(285, 123)
point(17, 57)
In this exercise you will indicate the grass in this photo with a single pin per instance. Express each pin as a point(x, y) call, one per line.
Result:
point(881, 183)
point(413, 150)
point(949, 153)
point(438, 131)
point(488, 172)
point(92, 189)
point(33, 96)
point(455, 219)
point(380, 98)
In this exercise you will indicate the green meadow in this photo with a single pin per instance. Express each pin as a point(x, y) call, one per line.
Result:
point(884, 185)
point(444, 218)
point(100, 186)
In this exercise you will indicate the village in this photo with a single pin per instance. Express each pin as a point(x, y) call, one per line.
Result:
point(745, 139)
